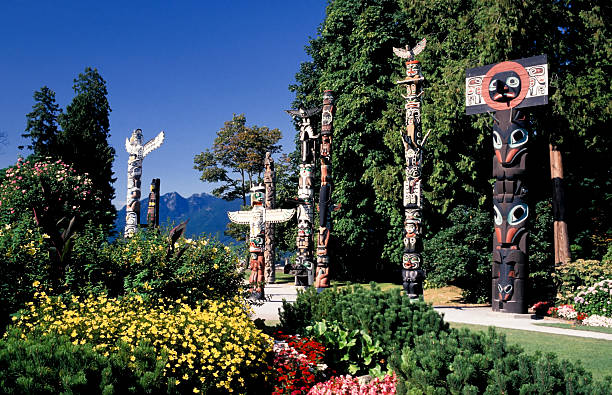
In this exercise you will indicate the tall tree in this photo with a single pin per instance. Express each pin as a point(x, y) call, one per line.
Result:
point(84, 139)
point(352, 54)
point(236, 158)
point(42, 127)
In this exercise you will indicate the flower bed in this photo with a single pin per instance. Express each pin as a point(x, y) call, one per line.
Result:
point(211, 347)
point(596, 299)
point(297, 364)
point(347, 385)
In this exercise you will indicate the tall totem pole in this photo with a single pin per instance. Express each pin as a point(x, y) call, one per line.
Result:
point(304, 261)
point(137, 150)
point(412, 138)
point(325, 202)
point(270, 248)
point(503, 88)
point(257, 218)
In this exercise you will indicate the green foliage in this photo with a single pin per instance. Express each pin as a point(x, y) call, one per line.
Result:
point(238, 150)
point(42, 127)
point(198, 269)
point(461, 254)
point(391, 320)
point(352, 55)
point(53, 364)
point(478, 363)
point(78, 136)
point(596, 299)
point(580, 273)
point(348, 351)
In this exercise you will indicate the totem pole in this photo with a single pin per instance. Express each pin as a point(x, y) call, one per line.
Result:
point(270, 248)
point(325, 204)
point(304, 261)
point(153, 209)
point(412, 138)
point(502, 88)
point(137, 150)
point(257, 218)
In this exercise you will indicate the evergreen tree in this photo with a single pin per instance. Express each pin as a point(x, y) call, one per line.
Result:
point(84, 140)
point(42, 126)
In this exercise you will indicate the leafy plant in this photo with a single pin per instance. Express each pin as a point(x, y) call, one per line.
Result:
point(580, 273)
point(348, 351)
point(596, 299)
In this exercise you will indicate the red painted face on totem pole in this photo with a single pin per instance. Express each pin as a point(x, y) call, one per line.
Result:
point(510, 144)
point(510, 223)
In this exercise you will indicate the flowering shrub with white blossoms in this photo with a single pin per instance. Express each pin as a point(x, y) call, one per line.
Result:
point(598, 320)
point(565, 311)
point(595, 300)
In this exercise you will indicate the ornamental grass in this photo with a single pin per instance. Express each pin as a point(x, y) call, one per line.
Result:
point(210, 347)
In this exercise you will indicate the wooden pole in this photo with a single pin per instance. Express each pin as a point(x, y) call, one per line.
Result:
point(561, 239)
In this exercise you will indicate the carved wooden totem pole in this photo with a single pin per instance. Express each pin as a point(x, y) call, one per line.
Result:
point(257, 218)
point(325, 202)
point(304, 261)
point(412, 138)
point(137, 150)
point(503, 88)
point(270, 248)
point(153, 208)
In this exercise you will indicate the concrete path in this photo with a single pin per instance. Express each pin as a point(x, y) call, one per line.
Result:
point(275, 293)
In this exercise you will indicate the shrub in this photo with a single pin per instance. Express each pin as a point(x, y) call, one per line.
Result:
point(347, 385)
point(24, 261)
point(212, 347)
point(52, 187)
point(597, 320)
point(53, 364)
point(348, 351)
point(195, 269)
point(391, 319)
point(461, 254)
point(596, 299)
point(478, 363)
point(570, 276)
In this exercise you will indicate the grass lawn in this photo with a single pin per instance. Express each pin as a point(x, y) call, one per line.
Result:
point(577, 327)
point(595, 354)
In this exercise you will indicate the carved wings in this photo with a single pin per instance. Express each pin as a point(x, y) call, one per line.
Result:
point(276, 216)
point(303, 113)
point(240, 217)
point(410, 54)
point(153, 144)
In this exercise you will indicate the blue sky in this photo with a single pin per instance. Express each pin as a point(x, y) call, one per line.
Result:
point(179, 66)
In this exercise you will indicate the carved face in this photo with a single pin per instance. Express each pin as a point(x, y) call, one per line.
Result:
point(411, 261)
point(510, 223)
point(136, 137)
point(509, 144)
point(256, 244)
point(504, 86)
point(509, 264)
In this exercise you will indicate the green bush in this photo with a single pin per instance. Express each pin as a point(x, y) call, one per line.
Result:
point(53, 364)
point(388, 317)
point(196, 269)
point(580, 273)
point(596, 299)
point(465, 362)
point(53, 188)
point(461, 254)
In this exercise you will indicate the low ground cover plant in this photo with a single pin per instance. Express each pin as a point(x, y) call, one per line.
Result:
point(348, 385)
point(210, 347)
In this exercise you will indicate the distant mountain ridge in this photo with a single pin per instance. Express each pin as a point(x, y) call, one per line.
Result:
point(207, 214)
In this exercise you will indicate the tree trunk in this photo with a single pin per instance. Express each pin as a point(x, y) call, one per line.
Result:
point(561, 239)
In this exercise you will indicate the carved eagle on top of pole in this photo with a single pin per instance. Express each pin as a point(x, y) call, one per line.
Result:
point(134, 146)
point(410, 54)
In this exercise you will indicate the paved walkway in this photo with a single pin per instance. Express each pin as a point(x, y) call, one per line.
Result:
point(275, 293)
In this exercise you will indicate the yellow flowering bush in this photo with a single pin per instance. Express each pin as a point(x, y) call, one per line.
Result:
point(196, 269)
point(208, 347)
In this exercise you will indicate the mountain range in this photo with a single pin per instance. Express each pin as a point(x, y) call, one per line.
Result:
point(207, 214)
